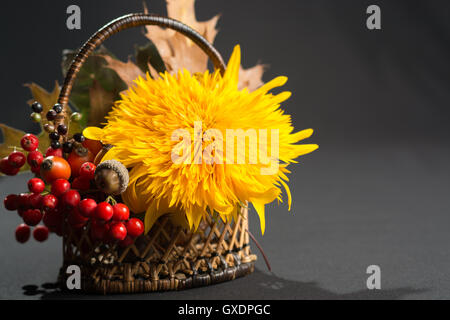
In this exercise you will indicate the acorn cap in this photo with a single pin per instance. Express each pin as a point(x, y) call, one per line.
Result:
point(111, 177)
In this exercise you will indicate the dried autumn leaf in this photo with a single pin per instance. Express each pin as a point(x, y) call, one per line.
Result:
point(127, 71)
point(11, 139)
point(177, 51)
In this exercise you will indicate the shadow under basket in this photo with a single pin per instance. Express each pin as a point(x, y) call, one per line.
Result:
point(167, 258)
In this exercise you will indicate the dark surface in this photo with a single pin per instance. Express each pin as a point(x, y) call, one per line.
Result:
point(377, 190)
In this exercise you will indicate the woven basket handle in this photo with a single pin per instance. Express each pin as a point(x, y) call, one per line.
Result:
point(126, 22)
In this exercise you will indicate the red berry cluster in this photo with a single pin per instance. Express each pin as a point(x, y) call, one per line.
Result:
point(11, 164)
point(63, 191)
point(107, 222)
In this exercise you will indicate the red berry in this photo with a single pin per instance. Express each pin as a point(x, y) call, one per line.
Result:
point(32, 217)
point(29, 142)
point(80, 183)
point(35, 200)
point(104, 211)
point(135, 227)
point(35, 158)
point(121, 212)
point(118, 231)
point(21, 211)
point(24, 200)
point(53, 219)
point(49, 202)
point(99, 230)
point(11, 202)
point(87, 207)
point(54, 152)
point(128, 241)
point(16, 159)
point(76, 220)
point(59, 187)
point(22, 233)
point(36, 170)
point(71, 199)
point(40, 233)
point(36, 185)
point(7, 169)
point(87, 170)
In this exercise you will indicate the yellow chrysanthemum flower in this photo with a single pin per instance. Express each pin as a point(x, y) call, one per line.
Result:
point(141, 128)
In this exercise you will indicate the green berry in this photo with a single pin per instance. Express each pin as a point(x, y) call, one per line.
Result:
point(76, 116)
point(36, 117)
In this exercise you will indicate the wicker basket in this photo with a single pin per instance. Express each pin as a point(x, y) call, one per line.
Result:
point(168, 257)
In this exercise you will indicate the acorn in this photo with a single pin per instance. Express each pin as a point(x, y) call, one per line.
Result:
point(102, 153)
point(111, 177)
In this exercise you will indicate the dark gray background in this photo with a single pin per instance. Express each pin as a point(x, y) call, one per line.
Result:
point(377, 190)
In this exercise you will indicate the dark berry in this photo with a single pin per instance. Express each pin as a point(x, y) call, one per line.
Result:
point(51, 115)
point(78, 137)
point(58, 108)
point(54, 136)
point(40, 233)
point(62, 129)
point(37, 107)
point(22, 233)
point(67, 147)
point(55, 144)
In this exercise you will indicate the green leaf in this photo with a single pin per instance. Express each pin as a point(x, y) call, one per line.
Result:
point(93, 70)
point(149, 54)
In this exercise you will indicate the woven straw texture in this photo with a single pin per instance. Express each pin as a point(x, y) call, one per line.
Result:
point(167, 258)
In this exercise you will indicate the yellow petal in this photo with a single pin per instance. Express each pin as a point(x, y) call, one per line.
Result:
point(93, 133)
point(260, 210)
